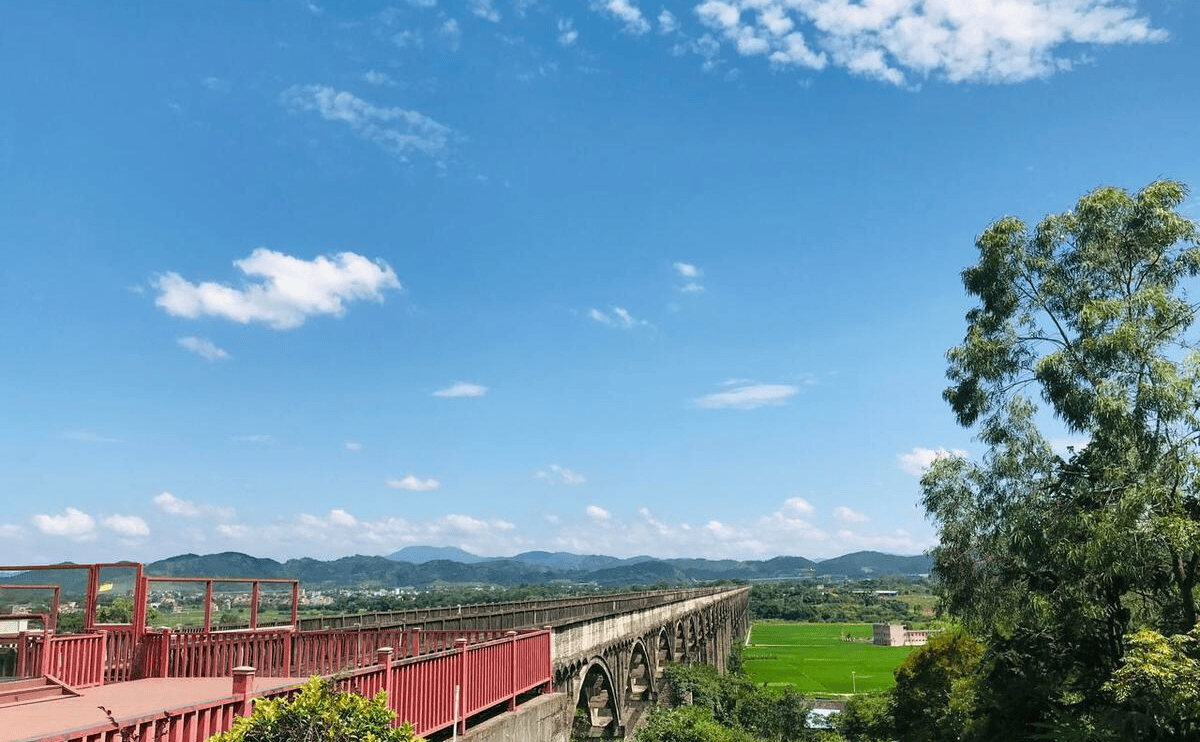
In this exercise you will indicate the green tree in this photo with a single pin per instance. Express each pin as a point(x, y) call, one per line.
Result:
point(687, 724)
point(934, 697)
point(867, 718)
point(319, 713)
point(1054, 559)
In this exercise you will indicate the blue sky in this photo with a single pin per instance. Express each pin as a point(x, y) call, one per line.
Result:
point(316, 279)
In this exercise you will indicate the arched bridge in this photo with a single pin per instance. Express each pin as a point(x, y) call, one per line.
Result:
point(608, 652)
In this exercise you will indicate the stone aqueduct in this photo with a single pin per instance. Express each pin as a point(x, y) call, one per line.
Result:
point(608, 653)
point(613, 665)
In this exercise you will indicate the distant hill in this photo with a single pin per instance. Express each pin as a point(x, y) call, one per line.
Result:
point(422, 554)
point(874, 564)
point(568, 561)
point(530, 568)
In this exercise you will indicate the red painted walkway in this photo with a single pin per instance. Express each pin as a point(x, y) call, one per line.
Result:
point(56, 719)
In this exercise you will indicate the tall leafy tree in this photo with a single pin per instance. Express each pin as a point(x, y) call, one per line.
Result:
point(1056, 558)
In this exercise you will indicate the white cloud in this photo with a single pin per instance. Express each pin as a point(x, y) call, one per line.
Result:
point(73, 524)
point(798, 505)
point(422, 3)
point(595, 512)
point(397, 131)
point(130, 526)
point(291, 289)
point(462, 389)
point(9, 531)
point(916, 461)
point(233, 530)
point(626, 12)
point(352, 446)
point(484, 9)
point(374, 77)
point(747, 397)
point(848, 514)
point(954, 40)
point(567, 33)
point(687, 270)
point(314, 8)
point(667, 22)
point(414, 484)
point(203, 348)
point(555, 474)
point(617, 317)
point(691, 287)
point(172, 505)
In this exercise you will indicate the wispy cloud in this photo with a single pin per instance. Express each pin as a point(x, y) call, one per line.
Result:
point(290, 290)
point(667, 22)
point(377, 78)
point(216, 84)
point(484, 9)
point(172, 505)
point(689, 273)
point(203, 348)
point(397, 131)
point(617, 317)
point(918, 460)
point(352, 446)
point(747, 396)
point(462, 389)
point(414, 484)
point(73, 524)
point(451, 33)
point(555, 474)
point(629, 14)
point(567, 33)
point(954, 40)
point(847, 514)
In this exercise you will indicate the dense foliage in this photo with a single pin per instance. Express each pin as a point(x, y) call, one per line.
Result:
point(1078, 572)
point(705, 706)
point(319, 713)
point(850, 603)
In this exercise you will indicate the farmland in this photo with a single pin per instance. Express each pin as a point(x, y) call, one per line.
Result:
point(814, 659)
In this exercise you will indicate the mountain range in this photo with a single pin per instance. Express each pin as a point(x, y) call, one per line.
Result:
point(424, 566)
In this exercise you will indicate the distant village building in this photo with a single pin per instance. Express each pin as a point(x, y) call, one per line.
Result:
point(898, 635)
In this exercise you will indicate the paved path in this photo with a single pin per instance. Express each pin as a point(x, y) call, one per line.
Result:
point(127, 701)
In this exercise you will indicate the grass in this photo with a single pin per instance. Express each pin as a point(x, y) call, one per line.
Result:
point(812, 658)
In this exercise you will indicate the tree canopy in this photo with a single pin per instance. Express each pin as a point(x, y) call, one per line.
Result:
point(1054, 558)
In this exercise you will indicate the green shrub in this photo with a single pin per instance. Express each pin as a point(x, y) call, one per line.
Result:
point(320, 713)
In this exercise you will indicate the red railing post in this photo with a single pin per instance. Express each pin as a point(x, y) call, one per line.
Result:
point(512, 669)
point(416, 643)
point(460, 645)
point(383, 656)
point(164, 658)
point(287, 652)
point(243, 685)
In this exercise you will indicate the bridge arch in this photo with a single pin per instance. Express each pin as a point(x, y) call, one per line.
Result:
point(598, 701)
point(639, 685)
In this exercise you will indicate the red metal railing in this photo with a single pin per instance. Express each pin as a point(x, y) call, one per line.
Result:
point(420, 689)
point(76, 659)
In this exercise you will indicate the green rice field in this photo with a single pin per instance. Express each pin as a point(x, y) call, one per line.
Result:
point(812, 658)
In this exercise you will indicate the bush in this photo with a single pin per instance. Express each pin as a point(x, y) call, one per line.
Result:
point(320, 713)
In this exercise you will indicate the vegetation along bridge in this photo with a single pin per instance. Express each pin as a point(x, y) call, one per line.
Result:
point(444, 668)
